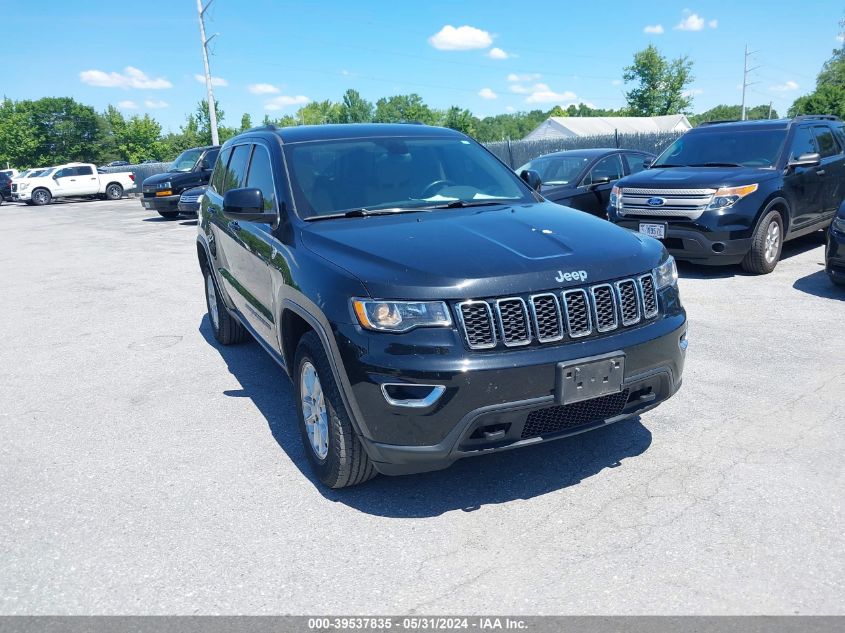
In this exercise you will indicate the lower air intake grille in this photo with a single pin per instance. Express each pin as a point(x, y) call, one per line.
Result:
point(559, 418)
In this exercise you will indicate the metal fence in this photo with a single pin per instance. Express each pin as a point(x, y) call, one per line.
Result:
point(513, 153)
point(141, 172)
point(516, 153)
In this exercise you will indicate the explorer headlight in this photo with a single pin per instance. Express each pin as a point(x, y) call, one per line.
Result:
point(400, 316)
point(729, 196)
point(666, 274)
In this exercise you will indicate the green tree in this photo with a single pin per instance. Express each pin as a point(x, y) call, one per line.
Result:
point(658, 84)
point(139, 139)
point(246, 122)
point(403, 109)
point(461, 120)
point(829, 94)
point(733, 113)
point(319, 112)
point(354, 108)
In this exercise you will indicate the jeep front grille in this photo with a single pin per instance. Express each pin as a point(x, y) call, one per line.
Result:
point(677, 203)
point(550, 317)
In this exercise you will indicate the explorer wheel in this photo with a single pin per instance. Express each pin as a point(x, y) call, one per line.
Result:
point(766, 245)
point(332, 446)
point(227, 329)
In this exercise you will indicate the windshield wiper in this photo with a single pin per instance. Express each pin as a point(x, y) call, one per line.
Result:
point(666, 165)
point(714, 165)
point(362, 213)
point(463, 204)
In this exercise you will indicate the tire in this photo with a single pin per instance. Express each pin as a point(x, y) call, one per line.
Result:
point(766, 245)
point(114, 192)
point(169, 215)
point(333, 448)
point(226, 328)
point(41, 197)
point(838, 281)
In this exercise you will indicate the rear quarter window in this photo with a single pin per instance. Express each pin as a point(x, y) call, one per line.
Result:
point(827, 144)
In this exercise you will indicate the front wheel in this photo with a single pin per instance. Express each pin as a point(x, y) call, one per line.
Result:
point(114, 192)
point(169, 215)
point(41, 197)
point(766, 245)
point(332, 446)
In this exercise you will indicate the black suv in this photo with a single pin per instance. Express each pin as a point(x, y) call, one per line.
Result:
point(727, 193)
point(835, 252)
point(426, 302)
point(191, 168)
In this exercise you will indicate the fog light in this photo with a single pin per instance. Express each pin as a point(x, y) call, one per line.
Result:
point(683, 343)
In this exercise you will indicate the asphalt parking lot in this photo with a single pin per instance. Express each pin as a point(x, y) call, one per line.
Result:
point(144, 469)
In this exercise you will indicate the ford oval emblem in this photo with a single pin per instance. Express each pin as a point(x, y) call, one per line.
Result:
point(656, 202)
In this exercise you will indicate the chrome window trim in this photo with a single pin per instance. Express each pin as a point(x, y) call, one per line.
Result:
point(537, 324)
point(596, 310)
point(589, 329)
point(489, 319)
point(501, 323)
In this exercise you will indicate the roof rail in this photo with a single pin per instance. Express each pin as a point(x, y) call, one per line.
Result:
point(816, 117)
point(703, 123)
point(269, 127)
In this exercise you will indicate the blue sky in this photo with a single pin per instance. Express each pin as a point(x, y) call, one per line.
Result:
point(274, 55)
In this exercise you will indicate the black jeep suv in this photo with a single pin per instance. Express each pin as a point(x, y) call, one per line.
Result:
point(727, 193)
point(191, 168)
point(427, 304)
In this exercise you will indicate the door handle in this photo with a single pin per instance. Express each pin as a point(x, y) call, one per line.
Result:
point(820, 172)
point(74, 179)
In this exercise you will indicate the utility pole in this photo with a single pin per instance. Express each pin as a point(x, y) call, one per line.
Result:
point(745, 82)
point(212, 110)
point(770, 110)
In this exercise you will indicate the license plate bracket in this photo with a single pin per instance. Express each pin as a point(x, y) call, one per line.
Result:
point(579, 380)
point(657, 230)
point(148, 205)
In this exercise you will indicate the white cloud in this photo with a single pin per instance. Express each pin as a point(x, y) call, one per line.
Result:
point(127, 105)
point(131, 77)
point(497, 53)
point(217, 82)
point(283, 101)
point(510, 109)
point(262, 89)
point(840, 38)
point(692, 22)
point(616, 82)
point(693, 92)
point(713, 24)
point(786, 86)
point(487, 93)
point(519, 89)
point(654, 29)
point(541, 93)
point(524, 77)
point(155, 103)
point(463, 38)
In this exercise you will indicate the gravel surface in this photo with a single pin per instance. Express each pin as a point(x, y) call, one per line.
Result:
point(146, 470)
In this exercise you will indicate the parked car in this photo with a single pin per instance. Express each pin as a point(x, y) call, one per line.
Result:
point(191, 168)
point(582, 178)
point(189, 201)
point(149, 161)
point(5, 187)
point(834, 261)
point(427, 303)
point(729, 193)
point(72, 180)
point(11, 173)
point(118, 163)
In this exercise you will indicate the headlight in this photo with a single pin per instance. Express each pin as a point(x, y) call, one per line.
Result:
point(838, 224)
point(23, 186)
point(400, 316)
point(729, 196)
point(666, 274)
point(163, 185)
point(616, 197)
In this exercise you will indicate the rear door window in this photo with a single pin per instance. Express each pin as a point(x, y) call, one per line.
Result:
point(827, 144)
point(610, 167)
point(635, 162)
point(84, 171)
point(802, 143)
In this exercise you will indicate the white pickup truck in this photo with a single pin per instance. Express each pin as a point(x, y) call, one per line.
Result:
point(72, 180)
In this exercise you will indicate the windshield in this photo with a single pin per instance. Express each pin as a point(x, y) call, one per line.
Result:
point(396, 173)
point(186, 160)
point(556, 170)
point(745, 148)
point(42, 174)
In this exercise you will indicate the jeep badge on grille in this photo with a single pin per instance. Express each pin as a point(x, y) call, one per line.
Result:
point(574, 275)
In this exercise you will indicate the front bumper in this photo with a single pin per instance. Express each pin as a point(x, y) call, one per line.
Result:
point(162, 203)
point(835, 255)
point(489, 392)
point(188, 208)
point(21, 195)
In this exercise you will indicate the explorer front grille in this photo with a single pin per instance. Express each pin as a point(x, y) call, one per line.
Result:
point(677, 203)
point(550, 317)
point(567, 416)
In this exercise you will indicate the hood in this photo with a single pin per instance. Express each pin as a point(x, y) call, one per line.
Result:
point(697, 177)
point(480, 252)
point(177, 178)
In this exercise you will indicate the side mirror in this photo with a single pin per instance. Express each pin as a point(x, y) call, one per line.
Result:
point(247, 205)
point(531, 178)
point(601, 180)
point(648, 162)
point(811, 159)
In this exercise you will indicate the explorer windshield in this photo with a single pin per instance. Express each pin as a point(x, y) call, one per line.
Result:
point(331, 177)
point(746, 148)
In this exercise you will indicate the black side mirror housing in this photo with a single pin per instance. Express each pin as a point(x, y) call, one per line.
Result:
point(648, 162)
point(531, 178)
point(810, 159)
point(246, 204)
point(601, 180)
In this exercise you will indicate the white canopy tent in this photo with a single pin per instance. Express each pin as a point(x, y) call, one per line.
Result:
point(571, 127)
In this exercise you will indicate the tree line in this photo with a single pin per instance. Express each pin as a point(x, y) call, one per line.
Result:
point(54, 130)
